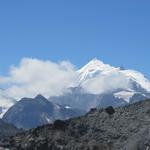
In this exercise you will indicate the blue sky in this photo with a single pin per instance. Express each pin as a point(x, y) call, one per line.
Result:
point(117, 32)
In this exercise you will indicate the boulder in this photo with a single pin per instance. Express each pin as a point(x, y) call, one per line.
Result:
point(110, 110)
point(59, 124)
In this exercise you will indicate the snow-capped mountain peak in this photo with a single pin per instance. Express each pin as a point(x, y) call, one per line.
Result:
point(95, 64)
point(93, 69)
point(99, 78)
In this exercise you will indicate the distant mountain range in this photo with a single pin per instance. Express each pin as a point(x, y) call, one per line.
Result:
point(98, 85)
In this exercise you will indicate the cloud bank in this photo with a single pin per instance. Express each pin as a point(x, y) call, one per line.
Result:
point(33, 76)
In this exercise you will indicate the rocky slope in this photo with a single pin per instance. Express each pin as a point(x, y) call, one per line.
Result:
point(127, 129)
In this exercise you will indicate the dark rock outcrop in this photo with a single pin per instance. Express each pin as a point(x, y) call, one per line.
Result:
point(127, 129)
point(110, 110)
point(59, 125)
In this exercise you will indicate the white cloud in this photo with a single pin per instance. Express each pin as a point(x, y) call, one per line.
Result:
point(33, 76)
point(107, 82)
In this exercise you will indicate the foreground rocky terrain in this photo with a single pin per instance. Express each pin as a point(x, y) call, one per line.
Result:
point(127, 129)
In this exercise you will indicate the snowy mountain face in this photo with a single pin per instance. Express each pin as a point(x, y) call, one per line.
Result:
point(101, 85)
point(123, 83)
point(93, 69)
point(96, 68)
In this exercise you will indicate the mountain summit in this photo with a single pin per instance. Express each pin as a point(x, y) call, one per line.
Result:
point(93, 69)
point(95, 64)
point(96, 68)
point(98, 73)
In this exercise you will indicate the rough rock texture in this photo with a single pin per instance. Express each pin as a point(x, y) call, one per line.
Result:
point(127, 129)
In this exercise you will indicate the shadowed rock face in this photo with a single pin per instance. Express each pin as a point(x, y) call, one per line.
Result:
point(29, 113)
point(127, 129)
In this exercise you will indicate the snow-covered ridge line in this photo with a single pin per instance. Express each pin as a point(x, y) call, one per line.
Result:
point(96, 68)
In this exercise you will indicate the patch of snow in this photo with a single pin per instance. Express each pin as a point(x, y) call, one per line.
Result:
point(56, 106)
point(126, 95)
point(67, 107)
point(139, 78)
point(48, 119)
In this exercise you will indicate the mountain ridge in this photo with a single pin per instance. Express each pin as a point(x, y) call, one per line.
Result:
point(96, 79)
